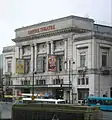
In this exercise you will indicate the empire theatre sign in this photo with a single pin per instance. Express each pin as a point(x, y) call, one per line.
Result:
point(42, 29)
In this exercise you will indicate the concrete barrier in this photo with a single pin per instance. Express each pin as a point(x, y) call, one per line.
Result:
point(54, 112)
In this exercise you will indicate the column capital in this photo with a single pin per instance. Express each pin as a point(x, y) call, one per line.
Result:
point(32, 45)
point(35, 44)
point(20, 47)
point(47, 42)
point(51, 41)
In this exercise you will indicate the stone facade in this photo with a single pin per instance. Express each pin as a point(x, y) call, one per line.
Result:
point(83, 53)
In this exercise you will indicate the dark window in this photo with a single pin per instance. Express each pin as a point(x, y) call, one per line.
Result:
point(22, 82)
point(9, 67)
point(87, 81)
point(59, 63)
point(49, 48)
point(78, 81)
point(44, 64)
point(104, 59)
point(25, 82)
point(82, 60)
point(37, 82)
point(82, 93)
point(42, 82)
point(58, 81)
point(83, 81)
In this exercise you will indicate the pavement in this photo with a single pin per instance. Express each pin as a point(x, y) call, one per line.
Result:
point(5, 110)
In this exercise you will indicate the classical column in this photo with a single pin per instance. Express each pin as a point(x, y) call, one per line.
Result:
point(52, 47)
point(20, 52)
point(47, 43)
point(89, 58)
point(65, 54)
point(14, 65)
point(94, 52)
point(17, 52)
point(35, 56)
point(32, 56)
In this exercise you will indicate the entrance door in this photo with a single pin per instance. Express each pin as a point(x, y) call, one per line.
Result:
point(59, 93)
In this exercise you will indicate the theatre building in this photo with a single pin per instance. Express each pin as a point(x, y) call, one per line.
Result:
point(69, 58)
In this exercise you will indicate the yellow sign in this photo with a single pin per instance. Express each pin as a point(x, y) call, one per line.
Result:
point(20, 66)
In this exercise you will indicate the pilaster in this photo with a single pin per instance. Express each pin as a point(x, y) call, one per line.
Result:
point(52, 47)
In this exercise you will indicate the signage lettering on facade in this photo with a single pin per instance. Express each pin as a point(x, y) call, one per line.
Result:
point(42, 29)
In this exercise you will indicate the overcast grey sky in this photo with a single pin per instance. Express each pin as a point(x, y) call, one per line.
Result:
point(18, 13)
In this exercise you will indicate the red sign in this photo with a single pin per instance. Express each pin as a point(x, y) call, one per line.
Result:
point(52, 63)
point(42, 29)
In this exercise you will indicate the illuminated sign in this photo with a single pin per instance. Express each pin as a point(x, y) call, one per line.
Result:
point(42, 29)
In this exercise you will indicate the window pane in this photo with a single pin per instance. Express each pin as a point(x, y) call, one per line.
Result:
point(44, 64)
point(9, 67)
point(104, 59)
point(87, 81)
point(41, 64)
point(83, 81)
point(82, 60)
point(60, 63)
point(78, 81)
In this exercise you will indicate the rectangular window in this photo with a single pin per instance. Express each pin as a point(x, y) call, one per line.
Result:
point(10, 82)
point(104, 59)
point(83, 81)
point(28, 82)
point(87, 81)
point(83, 93)
point(41, 64)
point(37, 82)
point(42, 82)
point(9, 67)
point(57, 81)
point(82, 60)
point(27, 65)
point(25, 82)
point(49, 48)
point(44, 64)
point(60, 63)
point(22, 82)
point(78, 81)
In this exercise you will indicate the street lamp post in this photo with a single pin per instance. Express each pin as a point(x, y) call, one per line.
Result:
point(69, 81)
point(33, 76)
point(69, 77)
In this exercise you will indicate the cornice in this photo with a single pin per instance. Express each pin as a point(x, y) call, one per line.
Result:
point(93, 35)
point(48, 34)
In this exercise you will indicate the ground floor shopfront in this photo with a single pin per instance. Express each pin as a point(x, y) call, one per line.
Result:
point(58, 86)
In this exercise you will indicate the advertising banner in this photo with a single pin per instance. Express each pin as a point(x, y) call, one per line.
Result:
point(52, 63)
point(20, 66)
